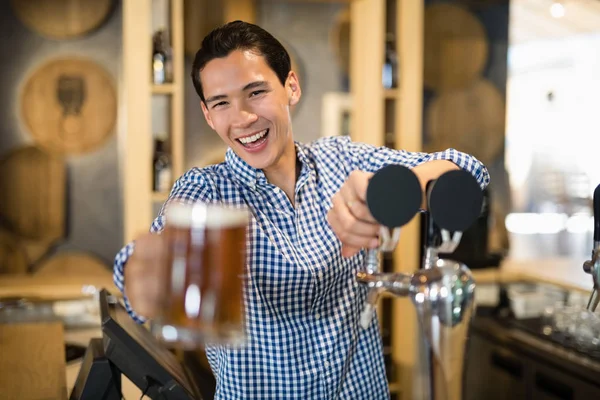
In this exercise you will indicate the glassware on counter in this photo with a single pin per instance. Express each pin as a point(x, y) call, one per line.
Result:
point(572, 323)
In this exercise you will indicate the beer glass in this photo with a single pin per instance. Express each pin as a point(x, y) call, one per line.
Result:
point(206, 258)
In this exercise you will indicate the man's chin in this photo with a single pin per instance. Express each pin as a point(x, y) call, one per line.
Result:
point(256, 162)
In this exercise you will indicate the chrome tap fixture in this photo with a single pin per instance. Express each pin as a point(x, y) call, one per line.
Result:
point(592, 266)
point(442, 290)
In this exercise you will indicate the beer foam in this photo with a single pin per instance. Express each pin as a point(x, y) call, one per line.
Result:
point(209, 215)
point(179, 215)
point(222, 217)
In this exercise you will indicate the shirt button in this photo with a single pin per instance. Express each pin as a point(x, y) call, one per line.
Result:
point(355, 284)
point(326, 363)
point(317, 315)
point(320, 274)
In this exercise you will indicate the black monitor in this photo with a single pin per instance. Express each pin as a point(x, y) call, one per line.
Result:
point(133, 351)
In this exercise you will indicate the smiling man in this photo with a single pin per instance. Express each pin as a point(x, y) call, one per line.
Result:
point(248, 104)
point(310, 230)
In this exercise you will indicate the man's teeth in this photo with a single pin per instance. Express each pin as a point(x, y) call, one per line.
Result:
point(254, 137)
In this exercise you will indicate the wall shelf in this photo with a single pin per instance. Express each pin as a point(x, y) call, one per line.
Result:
point(167, 88)
point(139, 198)
point(391, 94)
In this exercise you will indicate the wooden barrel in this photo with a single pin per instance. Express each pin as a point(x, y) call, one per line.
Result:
point(13, 259)
point(63, 19)
point(33, 188)
point(456, 47)
point(69, 106)
point(37, 249)
point(471, 120)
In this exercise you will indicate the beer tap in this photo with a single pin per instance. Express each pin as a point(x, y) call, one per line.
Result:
point(592, 266)
point(393, 197)
point(442, 290)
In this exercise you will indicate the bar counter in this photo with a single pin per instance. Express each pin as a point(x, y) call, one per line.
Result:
point(567, 274)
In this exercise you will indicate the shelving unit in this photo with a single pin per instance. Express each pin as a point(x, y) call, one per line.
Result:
point(394, 121)
point(136, 144)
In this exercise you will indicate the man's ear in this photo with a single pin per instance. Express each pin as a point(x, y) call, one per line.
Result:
point(293, 88)
point(207, 115)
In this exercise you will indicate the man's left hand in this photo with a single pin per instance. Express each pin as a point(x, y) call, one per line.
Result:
point(350, 218)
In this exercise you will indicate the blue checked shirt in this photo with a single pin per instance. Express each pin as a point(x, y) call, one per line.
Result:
point(302, 302)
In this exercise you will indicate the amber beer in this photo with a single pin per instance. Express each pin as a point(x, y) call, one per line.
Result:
point(204, 284)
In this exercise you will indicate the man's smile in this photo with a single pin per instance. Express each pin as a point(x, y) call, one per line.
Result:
point(254, 140)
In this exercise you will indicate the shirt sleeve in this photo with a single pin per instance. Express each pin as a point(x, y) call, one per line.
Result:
point(371, 158)
point(190, 188)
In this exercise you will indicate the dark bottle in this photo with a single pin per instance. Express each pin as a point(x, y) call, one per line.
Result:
point(161, 58)
point(390, 64)
point(162, 172)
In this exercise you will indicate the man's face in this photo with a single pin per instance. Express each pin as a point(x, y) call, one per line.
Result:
point(249, 108)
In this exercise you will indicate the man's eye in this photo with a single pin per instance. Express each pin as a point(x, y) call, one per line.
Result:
point(257, 92)
point(221, 103)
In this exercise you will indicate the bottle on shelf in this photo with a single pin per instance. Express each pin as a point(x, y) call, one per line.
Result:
point(390, 64)
point(162, 64)
point(162, 170)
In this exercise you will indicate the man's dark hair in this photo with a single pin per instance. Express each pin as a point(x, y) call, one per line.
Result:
point(239, 35)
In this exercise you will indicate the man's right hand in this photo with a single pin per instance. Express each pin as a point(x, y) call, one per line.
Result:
point(145, 274)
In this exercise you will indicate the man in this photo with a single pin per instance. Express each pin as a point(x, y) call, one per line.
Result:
point(313, 226)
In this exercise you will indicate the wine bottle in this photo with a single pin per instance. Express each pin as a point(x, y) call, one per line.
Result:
point(390, 64)
point(162, 170)
point(161, 58)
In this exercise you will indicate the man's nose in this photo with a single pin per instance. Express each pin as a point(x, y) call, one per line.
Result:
point(244, 117)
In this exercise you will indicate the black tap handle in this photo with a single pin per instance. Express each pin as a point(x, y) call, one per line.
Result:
point(597, 214)
point(455, 200)
point(394, 195)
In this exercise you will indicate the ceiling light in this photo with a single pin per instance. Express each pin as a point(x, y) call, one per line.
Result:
point(557, 9)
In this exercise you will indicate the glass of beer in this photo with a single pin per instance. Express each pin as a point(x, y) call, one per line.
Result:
point(206, 258)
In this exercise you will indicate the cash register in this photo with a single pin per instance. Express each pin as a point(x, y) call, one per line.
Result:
point(128, 348)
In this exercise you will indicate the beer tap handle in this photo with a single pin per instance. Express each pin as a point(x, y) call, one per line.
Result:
point(393, 198)
point(592, 266)
point(454, 202)
point(366, 316)
point(597, 217)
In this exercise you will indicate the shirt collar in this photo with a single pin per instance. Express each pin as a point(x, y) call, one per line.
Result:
point(251, 177)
